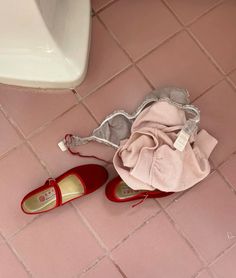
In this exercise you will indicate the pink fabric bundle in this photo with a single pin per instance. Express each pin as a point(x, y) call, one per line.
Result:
point(148, 159)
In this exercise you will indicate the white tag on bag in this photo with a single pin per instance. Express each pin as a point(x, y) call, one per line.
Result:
point(184, 135)
point(62, 146)
point(181, 140)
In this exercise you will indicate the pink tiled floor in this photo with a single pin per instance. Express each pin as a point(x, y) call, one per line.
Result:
point(136, 46)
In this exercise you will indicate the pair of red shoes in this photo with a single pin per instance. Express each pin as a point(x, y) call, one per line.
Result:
point(77, 182)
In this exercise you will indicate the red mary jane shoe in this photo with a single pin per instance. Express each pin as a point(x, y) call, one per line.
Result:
point(73, 184)
point(118, 191)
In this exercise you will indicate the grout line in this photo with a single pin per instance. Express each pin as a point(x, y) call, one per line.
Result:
point(74, 91)
point(210, 9)
point(87, 224)
point(90, 113)
point(184, 237)
point(95, 235)
point(225, 160)
point(26, 138)
point(196, 18)
point(115, 39)
point(169, 8)
point(150, 51)
point(98, 261)
point(231, 71)
point(213, 275)
point(47, 124)
point(91, 266)
point(219, 256)
point(146, 221)
point(23, 227)
point(77, 95)
point(226, 181)
point(208, 89)
point(117, 267)
point(83, 218)
point(231, 83)
point(202, 260)
point(172, 201)
point(107, 82)
point(13, 250)
point(24, 141)
point(105, 6)
point(206, 52)
point(12, 123)
point(102, 244)
point(134, 62)
point(196, 275)
point(5, 154)
point(103, 83)
point(144, 76)
point(202, 48)
point(42, 163)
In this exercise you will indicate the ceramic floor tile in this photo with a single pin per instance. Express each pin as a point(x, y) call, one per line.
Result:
point(156, 250)
point(30, 109)
point(10, 266)
point(188, 10)
point(166, 201)
point(204, 274)
point(217, 108)
point(106, 59)
point(9, 137)
point(140, 25)
point(125, 92)
point(228, 170)
point(216, 32)
point(57, 245)
point(20, 173)
point(103, 269)
point(1, 239)
point(206, 216)
point(177, 63)
point(113, 221)
point(99, 4)
point(78, 122)
point(233, 77)
point(225, 265)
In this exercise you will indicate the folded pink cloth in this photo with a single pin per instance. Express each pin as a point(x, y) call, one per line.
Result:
point(148, 159)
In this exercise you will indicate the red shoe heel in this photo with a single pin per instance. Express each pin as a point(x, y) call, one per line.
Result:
point(73, 184)
point(118, 191)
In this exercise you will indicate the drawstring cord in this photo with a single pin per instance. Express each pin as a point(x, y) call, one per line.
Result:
point(141, 201)
point(68, 141)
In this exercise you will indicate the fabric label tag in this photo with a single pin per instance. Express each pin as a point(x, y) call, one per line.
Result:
point(189, 128)
point(181, 140)
point(62, 146)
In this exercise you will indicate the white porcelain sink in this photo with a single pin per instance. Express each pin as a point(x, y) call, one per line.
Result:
point(44, 43)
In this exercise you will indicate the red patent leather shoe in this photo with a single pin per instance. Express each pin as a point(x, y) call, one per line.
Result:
point(75, 183)
point(118, 191)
